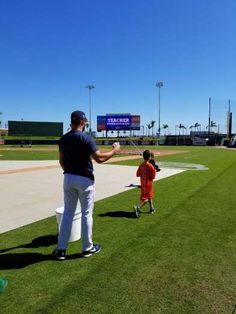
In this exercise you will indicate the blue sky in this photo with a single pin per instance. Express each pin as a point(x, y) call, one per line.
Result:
point(51, 49)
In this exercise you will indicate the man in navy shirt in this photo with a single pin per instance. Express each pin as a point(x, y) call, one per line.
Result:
point(76, 149)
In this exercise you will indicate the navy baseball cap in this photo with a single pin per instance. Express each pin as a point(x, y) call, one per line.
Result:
point(78, 116)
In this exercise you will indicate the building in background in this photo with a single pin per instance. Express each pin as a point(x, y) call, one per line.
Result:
point(3, 132)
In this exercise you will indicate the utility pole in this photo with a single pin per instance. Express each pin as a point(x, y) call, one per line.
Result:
point(209, 117)
point(159, 84)
point(0, 119)
point(90, 87)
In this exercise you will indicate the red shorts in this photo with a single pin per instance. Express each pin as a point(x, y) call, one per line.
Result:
point(146, 192)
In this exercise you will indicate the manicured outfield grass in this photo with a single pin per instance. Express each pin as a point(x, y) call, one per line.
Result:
point(182, 259)
point(28, 155)
point(50, 152)
point(43, 152)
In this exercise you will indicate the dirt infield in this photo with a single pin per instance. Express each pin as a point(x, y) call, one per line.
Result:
point(135, 155)
point(27, 196)
point(130, 155)
point(21, 170)
point(123, 151)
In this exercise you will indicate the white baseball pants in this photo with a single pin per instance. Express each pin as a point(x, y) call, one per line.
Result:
point(83, 189)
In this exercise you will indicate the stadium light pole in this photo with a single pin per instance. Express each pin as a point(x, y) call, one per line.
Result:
point(209, 116)
point(159, 84)
point(90, 87)
point(0, 119)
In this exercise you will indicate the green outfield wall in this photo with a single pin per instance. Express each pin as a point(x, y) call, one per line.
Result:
point(32, 128)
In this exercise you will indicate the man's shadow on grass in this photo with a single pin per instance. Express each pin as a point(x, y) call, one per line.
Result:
point(119, 214)
point(21, 260)
point(42, 241)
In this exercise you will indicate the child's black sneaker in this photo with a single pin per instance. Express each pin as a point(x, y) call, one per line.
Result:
point(152, 210)
point(95, 249)
point(59, 254)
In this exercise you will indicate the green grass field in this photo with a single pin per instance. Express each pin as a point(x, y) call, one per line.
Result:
point(182, 259)
point(27, 154)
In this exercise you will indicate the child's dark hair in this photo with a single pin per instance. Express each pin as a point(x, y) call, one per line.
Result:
point(146, 155)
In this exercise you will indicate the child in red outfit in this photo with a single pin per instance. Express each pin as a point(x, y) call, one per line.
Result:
point(147, 173)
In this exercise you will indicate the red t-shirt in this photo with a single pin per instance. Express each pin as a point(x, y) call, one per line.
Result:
point(147, 173)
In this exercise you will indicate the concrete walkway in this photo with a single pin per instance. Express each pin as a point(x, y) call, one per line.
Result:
point(32, 190)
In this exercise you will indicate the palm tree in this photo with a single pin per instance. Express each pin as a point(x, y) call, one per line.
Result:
point(212, 125)
point(191, 128)
point(181, 126)
point(165, 126)
point(151, 126)
point(196, 126)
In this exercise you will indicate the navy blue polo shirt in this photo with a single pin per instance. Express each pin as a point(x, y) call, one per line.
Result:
point(77, 147)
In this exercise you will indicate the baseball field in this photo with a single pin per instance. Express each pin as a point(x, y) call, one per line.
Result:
point(182, 259)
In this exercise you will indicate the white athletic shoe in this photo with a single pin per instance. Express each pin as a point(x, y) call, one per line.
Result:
point(95, 249)
point(137, 211)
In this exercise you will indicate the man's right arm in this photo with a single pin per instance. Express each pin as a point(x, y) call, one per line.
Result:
point(101, 157)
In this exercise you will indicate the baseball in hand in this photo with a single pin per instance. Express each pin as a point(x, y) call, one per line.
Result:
point(116, 144)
